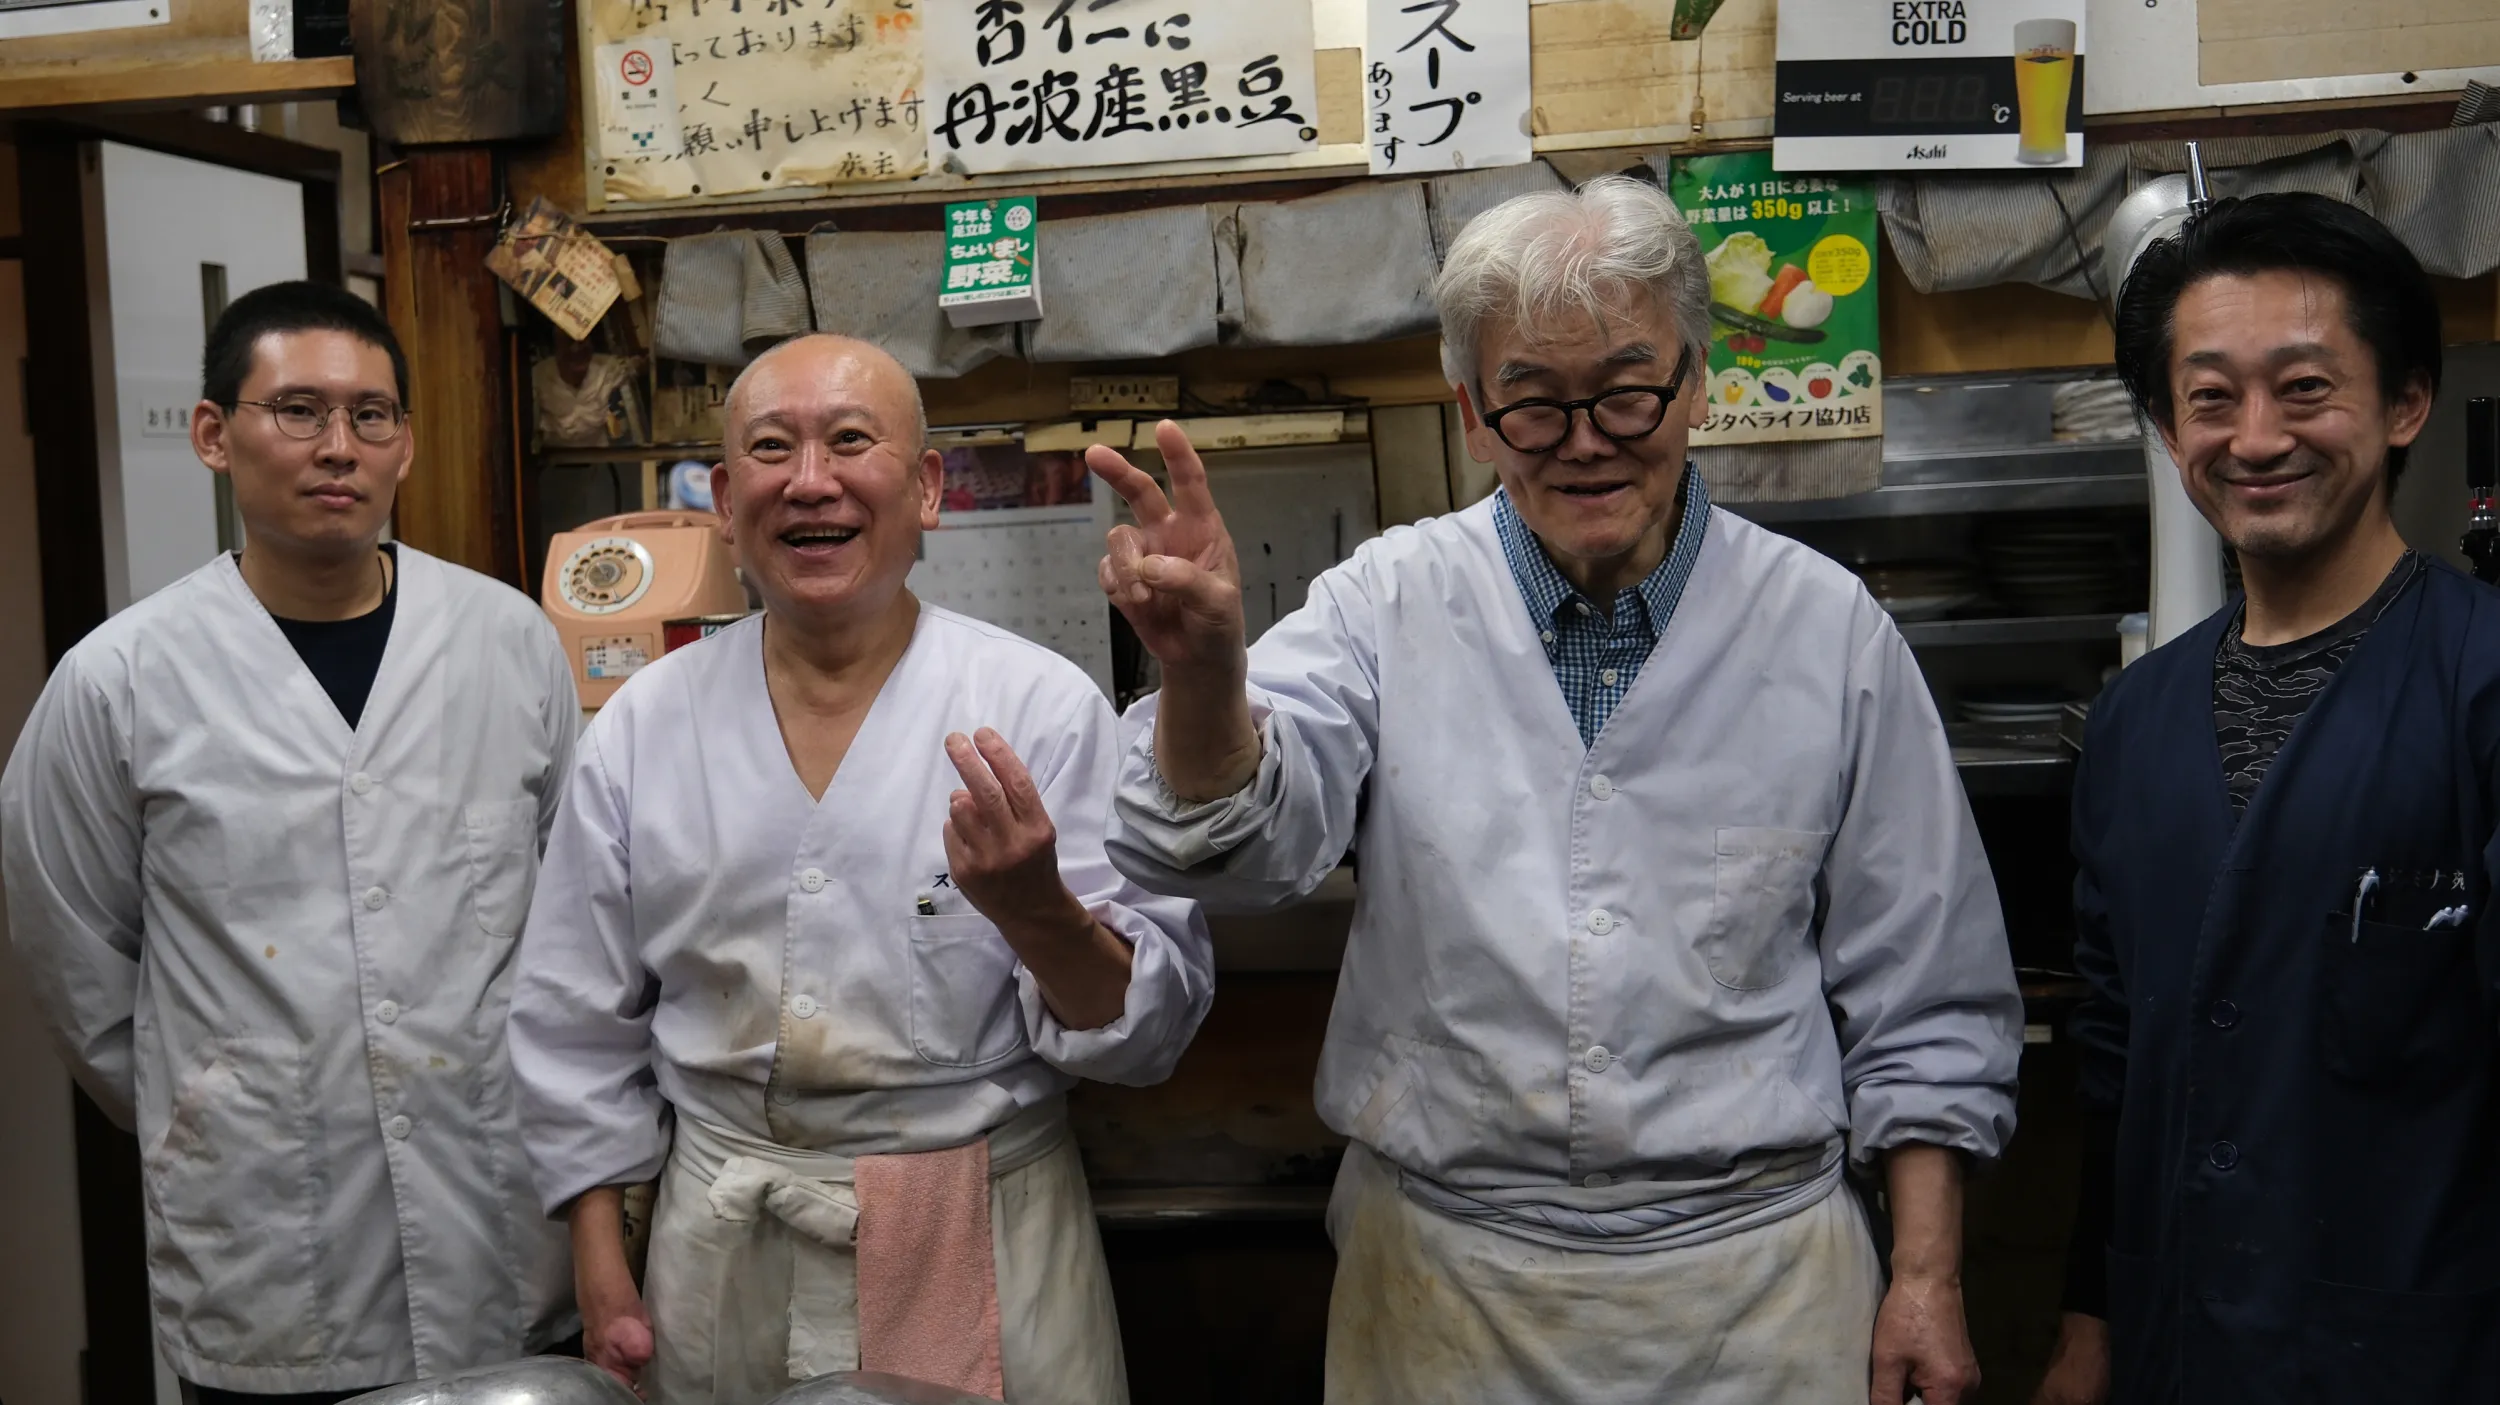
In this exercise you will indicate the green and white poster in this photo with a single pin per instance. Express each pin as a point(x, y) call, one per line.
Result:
point(1793, 351)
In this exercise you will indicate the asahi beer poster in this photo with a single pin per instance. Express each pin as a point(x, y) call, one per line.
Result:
point(1793, 352)
point(1936, 85)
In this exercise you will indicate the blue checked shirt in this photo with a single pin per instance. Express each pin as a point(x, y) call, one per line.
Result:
point(1597, 650)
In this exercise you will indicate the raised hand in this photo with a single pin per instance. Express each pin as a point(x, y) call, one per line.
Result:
point(1174, 574)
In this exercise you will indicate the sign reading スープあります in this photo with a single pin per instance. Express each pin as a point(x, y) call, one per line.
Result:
point(1024, 85)
point(1928, 85)
point(990, 272)
point(1793, 351)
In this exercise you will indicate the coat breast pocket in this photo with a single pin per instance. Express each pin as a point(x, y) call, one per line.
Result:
point(2402, 1005)
point(233, 1230)
point(1762, 904)
point(503, 863)
point(964, 1007)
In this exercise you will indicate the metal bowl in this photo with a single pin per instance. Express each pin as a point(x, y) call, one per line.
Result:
point(872, 1389)
point(524, 1383)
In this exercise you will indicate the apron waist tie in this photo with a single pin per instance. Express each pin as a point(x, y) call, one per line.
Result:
point(899, 1243)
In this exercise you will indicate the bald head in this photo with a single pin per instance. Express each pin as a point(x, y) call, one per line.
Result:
point(790, 368)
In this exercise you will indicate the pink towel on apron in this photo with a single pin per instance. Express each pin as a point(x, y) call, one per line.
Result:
point(928, 1280)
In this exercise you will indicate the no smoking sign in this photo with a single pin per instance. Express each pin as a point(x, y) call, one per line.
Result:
point(635, 68)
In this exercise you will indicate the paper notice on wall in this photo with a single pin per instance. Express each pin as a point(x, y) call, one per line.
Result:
point(637, 100)
point(1793, 346)
point(1445, 85)
point(1043, 85)
point(561, 268)
point(716, 97)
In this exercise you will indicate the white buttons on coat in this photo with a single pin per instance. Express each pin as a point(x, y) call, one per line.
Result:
point(1606, 677)
point(361, 784)
point(1601, 922)
point(399, 1126)
point(803, 1007)
point(785, 1096)
point(812, 880)
point(375, 897)
point(387, 1012)
point(1597, 1058)
point(1600, 787)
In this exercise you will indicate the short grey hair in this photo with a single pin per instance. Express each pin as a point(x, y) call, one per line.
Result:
point(1534, 258)
point(919, 404)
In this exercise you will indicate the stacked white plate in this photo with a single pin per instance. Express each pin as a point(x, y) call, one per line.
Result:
point(1922, 590)
point(2014, 708)
point(2057, 566)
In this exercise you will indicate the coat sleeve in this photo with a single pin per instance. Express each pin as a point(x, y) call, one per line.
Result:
point(1914, 955)
point(1171, 965)
point(582, 1002)
point(562, 717)
point(2098, 1026)
point(70, 860)
point(1314, 694)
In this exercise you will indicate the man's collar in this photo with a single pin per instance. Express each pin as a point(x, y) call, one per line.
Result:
point(1547, 590)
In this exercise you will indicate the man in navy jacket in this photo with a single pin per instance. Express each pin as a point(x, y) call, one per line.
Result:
point(2284, 828)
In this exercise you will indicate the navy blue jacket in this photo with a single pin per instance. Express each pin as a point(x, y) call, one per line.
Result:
point(2307, 1191)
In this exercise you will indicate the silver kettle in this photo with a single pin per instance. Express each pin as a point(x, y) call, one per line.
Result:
point(524, 1383)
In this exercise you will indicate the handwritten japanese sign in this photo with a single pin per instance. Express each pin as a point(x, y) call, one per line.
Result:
point(561, 268)
point(715, 97)
point(1022, 85)
point(1793, 349)
point(1445, 84)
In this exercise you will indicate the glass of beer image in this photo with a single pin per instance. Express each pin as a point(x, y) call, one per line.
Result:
point(2044, 76)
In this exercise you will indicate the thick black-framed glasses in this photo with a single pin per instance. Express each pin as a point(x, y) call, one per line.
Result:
point(1623, 414)
point(303, 416)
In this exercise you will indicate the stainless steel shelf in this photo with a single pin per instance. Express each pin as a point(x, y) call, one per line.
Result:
point(1186, 1205)
point(2010, 771)
point(2035, 629)
point(1982, 481)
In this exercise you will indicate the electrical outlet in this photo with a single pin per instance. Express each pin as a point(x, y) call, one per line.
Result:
point(1098, 393)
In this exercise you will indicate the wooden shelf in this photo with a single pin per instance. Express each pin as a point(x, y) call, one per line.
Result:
point(196, 84)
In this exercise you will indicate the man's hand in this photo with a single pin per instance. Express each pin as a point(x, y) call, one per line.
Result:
point(2079, 1364)
point(616, 1328)
point(1176, 578)
point(1003, 853)
point(1174, 574)
point(1921, 1342)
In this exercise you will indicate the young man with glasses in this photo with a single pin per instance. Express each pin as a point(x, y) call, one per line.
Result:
point(1672, 902)
point(268, 840)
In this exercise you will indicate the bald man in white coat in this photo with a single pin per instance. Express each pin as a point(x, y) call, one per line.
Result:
point(828, 893)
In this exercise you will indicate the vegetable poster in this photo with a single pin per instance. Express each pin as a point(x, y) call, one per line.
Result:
point(1792, 300)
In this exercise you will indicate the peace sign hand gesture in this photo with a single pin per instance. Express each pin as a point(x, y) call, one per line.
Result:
point(1174, 574)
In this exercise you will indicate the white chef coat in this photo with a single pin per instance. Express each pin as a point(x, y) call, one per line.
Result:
point(288, 946)
point(709, 938)
point(1630, 995)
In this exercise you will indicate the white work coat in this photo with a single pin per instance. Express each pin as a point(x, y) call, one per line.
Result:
point(1628, 995)
point(286, 948)
point(710, 938)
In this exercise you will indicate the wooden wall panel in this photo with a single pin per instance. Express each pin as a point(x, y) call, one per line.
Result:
point(458, 502)
point(2256, 41)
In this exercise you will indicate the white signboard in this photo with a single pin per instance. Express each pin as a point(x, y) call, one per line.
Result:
point(1912, 85)
point(1026, 85)
point(1445, 84)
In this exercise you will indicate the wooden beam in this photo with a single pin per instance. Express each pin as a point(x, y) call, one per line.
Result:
point(438, 209)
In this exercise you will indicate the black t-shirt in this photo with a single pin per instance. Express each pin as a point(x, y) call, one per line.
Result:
point(345, 654)
point(2261, 690)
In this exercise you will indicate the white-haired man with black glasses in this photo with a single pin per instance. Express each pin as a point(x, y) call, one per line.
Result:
point(1672, 906)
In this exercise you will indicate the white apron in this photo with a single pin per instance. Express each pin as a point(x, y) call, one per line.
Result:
point(1428, 1307)
point(752, 1281)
